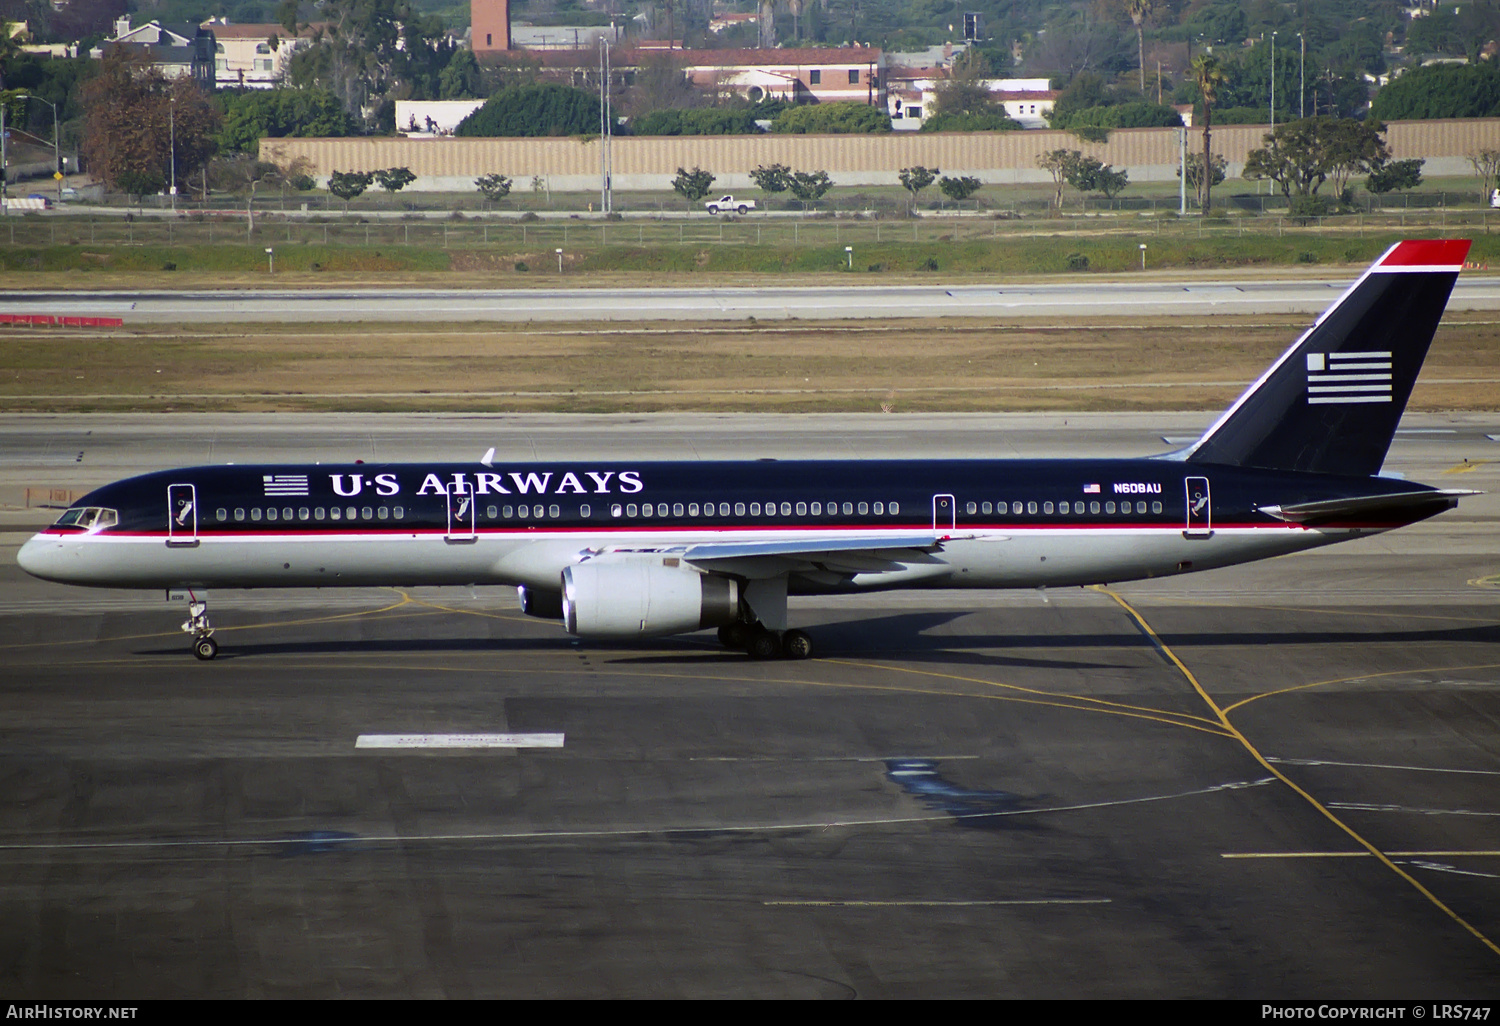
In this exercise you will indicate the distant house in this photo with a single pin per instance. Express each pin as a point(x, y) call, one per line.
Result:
point(178, 50)
point(912, 95)
point(255, 56)
point(810, 75)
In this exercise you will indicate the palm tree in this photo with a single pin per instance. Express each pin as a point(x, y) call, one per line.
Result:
point(1139, 11)
point(1209, 74)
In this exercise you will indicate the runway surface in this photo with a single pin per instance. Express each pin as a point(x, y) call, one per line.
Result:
point(1083, 298)
point(996, 794)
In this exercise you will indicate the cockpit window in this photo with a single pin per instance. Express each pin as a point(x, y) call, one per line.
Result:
point(90, 518)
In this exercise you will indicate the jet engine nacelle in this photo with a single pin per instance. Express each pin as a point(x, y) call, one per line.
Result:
point(544, 605)
point(638, 600)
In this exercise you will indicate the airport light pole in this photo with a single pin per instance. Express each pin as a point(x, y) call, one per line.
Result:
point(850, 251)
point(1143, 256)
point(1273, 82)
point(270, 260)
point(173, 124)
point(559, 261)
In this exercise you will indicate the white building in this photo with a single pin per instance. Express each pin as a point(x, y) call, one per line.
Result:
point(911, 97)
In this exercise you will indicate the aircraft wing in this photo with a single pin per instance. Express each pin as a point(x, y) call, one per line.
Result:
point(1397, 505)
point(841, 556)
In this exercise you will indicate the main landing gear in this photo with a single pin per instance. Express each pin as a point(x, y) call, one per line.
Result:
point(204, 646)
point(760, 643)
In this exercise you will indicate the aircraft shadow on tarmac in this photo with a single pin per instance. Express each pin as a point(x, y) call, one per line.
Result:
point(903, 636)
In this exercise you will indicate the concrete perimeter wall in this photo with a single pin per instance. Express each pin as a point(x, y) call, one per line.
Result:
point(650, 162)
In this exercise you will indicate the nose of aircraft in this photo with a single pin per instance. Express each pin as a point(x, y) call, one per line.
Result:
point(44, 557)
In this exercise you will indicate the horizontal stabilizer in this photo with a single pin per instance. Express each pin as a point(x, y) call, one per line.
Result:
point(1398, 506)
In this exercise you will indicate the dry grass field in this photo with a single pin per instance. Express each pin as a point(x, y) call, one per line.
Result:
point(950, 365)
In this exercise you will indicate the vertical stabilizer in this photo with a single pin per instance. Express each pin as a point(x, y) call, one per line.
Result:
point(1331, 403)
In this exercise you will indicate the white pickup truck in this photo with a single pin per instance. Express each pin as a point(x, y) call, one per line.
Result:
point(729, 203)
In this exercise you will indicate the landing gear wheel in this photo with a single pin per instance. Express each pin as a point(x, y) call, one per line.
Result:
point(205, 648)
point(735, 635)
point(763, 645)
point(796, 645)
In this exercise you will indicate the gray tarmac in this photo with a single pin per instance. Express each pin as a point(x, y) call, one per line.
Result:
point(966, 795)
point(1151, 295)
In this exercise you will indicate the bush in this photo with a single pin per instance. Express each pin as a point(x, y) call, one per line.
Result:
point(1076, 262)
point(534, 110)
point(521, 266)
point(1307, 207)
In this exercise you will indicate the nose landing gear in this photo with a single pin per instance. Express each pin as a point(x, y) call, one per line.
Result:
point(204, 646)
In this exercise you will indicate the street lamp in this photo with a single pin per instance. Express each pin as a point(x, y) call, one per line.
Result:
point(1273, 81)
point(173, 124)
point(56, 151)
point(1302, 78)
point(850, 251)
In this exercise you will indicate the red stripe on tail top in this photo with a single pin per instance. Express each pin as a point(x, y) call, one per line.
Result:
point(1427, 255)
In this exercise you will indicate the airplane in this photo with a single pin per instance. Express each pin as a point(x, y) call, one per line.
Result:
point(619, 550)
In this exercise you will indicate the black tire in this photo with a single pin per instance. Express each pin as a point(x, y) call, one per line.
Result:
point(796, 645)
point(205, 648)
point(713, 210)
point(763, 645)
point(735, 635)
point(744, 209)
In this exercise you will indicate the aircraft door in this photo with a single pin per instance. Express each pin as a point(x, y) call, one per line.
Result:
point(1199, 509)
point(182, 515)
point(461, 513)
point(944, 513)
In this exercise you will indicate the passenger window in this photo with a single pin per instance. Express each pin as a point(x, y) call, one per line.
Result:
point(491, 512)
point(817, 509)
point(1109, 507)
point(385, 513)
point(333, 513)
point(987, 507)
point(351, 513)
point(365, 513)
point(677, 509)
point(972, 508)
point(614, 509)
point(723, 509)
point(255, 514)
point(630, 510)
point(1063, 507)
point(739, 509)
point(554, 512)
point(537, 512)
point(221, 515)
point(755, 509)
point(1047, 508)
point(692, 509)
point(895, 508)
point(239, 514)
point(848, 508)
point(1031, 508)
point(286, 514)
point(303, 513)
point(786, 509)
point(1140, 507)
point(399, 512)
point(864, 508)
point(318, 513)
point(271, 513)
point(585, 511)
point(649, 510)
point(1156, 507)
point(1094, 507)
point(802, 509)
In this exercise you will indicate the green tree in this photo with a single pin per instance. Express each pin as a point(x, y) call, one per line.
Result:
point(1301, 155)
point(1441, 91)
point(493, 187)
point(1209, 75)
point(281, 113)
point(772, 178)
point(692, 185)
point(1195, 172)
point(809, 186)
point(965, 90)
point(1393, 175)
point(1486, 164)
point(461, 78)
point(696, 121)
point(995, 121)
point(532, 109)
point(915, 179)
point(959, 189)
point(847, 117)
point(394, 179)
point(348, 185)
point(1058, 164)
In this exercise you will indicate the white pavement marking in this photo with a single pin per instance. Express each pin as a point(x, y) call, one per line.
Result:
point(459, 741)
